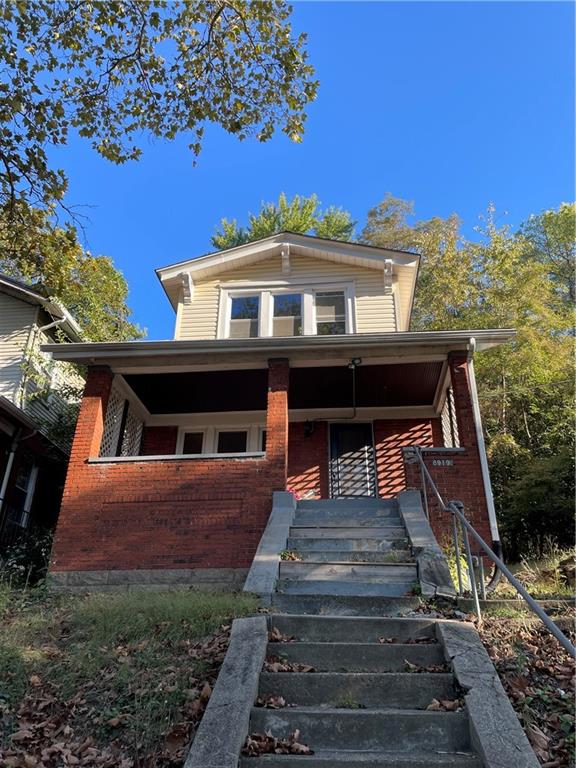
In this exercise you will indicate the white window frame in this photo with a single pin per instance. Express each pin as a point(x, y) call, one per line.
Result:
point(210, 440)
point(266, 293)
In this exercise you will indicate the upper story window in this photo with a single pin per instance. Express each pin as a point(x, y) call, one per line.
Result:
point(325, 310)
point(330, 313)
point(244, 316)
point(287, 319)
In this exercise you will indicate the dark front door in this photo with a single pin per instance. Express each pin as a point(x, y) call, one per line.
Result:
point(352, 469)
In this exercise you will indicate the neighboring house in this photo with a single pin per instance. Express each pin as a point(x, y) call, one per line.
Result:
point(32, 463)
point(292, 367)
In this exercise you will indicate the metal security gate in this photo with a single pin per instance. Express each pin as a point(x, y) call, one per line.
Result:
point(352, 466)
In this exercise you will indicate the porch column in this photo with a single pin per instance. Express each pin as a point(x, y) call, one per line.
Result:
point(475, 490)
point(90, 424)
point(277, 420)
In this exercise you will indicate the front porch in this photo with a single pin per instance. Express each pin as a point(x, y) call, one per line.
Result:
point(174, 464)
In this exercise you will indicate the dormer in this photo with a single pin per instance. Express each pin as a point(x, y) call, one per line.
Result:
point(291, 285)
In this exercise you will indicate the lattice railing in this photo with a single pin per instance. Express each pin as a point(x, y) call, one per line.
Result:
point(123, 426)
point(449, 422)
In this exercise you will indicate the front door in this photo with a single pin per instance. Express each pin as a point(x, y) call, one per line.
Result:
point(352, 468)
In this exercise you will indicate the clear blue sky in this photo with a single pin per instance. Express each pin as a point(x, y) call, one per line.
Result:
point(451, 105)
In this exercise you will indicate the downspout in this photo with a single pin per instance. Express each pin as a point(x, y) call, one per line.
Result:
point(496, 545)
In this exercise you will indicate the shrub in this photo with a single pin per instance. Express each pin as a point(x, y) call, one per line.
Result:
point(25, 562)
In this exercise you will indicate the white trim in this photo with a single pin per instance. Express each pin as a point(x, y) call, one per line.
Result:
point(481, 444)
point(266, 291)
point(441, 387)
point(120, 383)
point(211, 431)
point(173, 457)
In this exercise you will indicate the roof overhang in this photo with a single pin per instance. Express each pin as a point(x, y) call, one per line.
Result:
point(304, 350)
point(177, 277)
point(54, 308)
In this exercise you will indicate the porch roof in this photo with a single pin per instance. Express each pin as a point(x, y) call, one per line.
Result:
point(302, 350)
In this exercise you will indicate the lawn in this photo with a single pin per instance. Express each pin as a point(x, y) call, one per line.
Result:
point(108, 680)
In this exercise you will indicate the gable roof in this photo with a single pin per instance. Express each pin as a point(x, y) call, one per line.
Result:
point(53, 307)
point(403, 264)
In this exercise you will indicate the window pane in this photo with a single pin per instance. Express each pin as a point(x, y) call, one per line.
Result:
point(287, 315)
point(330, 329)
point(193, 442)
point(244, 317)
point(232, 442)
point(330, 313)
point(263, 441)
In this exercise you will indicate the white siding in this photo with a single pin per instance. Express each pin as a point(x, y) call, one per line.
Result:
point(16, 321)
point(374, 309)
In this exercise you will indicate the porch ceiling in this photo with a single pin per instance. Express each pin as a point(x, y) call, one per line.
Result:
point(377, 386)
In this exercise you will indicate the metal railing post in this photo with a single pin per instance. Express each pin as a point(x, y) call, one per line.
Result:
point(457, 554)
point(471, 575)
point(481, 575)
point(424, 489)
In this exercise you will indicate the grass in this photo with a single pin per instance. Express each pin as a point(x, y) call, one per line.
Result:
point(136, 665)
point(542, 577)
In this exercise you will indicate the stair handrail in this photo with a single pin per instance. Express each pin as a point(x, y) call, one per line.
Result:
point(456, 509)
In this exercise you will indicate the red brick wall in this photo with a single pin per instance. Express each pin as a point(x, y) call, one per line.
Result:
point(390, 436)
point(463, 480)
point(159, 441)
point(184, 513)
point(308, 460)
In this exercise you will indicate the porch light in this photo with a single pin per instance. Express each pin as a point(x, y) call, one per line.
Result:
point(354, 363)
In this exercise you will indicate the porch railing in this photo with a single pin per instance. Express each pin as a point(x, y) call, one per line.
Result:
point(461, 524)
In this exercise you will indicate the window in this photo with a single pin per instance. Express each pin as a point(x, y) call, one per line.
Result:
point(330, 313)
point(193, 442)
point(287, 320)
point(244, 314)
point(325, 309)
point(263, 441)
point(23, 492)
point(232, 442)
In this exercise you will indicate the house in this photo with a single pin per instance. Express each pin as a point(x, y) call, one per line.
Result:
point(32, 460)
point(292, 367)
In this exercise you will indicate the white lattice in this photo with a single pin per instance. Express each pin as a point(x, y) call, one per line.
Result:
point(449, 422)
point(132, 434)
point(112, 423)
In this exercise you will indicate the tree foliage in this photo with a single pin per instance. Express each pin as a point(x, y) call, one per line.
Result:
point(51, 258)
point(118, 71)
point(300, 214)
point(503, 279)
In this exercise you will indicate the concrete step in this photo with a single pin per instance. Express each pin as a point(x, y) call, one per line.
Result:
point(360, 518)
point(342, 556)
point(339, 543)
point(363, 572)
point(347, 629)
point(352, 503)
point(392, 730)
point(381, 532)
point(356, 759)
point(359, 657)
point(351, 605)
point(341, 588)
point(359, 690)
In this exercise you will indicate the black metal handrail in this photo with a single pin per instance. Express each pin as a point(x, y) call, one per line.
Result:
point(456, 509)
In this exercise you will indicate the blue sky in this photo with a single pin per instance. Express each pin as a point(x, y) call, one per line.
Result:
point(451, 105)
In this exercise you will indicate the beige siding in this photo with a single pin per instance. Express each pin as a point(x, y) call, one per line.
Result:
point(374, 310)
point(16, 320)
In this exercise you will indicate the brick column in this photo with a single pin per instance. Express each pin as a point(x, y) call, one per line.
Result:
point(277, 419)
point(470, 484)
point(90, 424)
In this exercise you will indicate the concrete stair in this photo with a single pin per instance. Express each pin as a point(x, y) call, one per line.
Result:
point(348, 548)
point(361, 707)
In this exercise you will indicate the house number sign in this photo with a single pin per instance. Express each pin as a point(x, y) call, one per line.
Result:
point(442, 462)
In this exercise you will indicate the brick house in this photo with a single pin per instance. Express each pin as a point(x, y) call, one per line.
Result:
point(292, 367)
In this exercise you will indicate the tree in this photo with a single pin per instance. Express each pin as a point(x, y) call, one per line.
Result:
point(118, 71)
point(51, 258)
point(301, 214)
point(502, 279)
point(551, 239)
